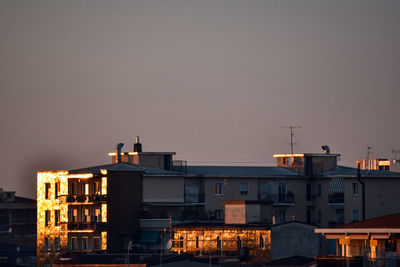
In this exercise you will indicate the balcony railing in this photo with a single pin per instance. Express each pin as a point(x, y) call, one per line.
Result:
point(278, 199)
point(200, 198)
point(83, 198)
point(311, 197)
point(336, 199)
point(95, 226)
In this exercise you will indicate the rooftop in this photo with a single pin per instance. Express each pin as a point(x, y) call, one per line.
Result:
point(123, 167)
point(389, 221)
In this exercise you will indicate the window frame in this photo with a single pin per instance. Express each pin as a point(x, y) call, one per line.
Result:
point(244, 192)
point(219, 188)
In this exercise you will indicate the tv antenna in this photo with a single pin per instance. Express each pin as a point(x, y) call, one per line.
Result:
point(368, 151)
point(395, 152)
point(291, 136)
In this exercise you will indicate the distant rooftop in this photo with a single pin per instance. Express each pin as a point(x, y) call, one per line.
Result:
point(122, 167)
point(239, 171)
point(389, 221)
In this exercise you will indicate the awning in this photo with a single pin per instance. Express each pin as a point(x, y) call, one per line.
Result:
point(149, 237)
point(336, 186)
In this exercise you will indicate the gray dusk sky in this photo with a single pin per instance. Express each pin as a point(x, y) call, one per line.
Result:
point(213, 80)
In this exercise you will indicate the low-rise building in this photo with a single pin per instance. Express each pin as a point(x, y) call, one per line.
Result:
point(373, 240)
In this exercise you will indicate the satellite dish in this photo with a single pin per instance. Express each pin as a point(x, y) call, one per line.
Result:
point(169, 244)
point(290, 160)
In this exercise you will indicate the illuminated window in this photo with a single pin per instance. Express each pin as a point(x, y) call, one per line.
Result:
point(86, 216)
point(262, 242)
point(74, 215)
point(219, 189)
point(57, 190)
point(47, 192)
point(97, 215)
point(56, 217)
point(57, 244)
point(47, 218)
point(96, 187)
point(244, 188)
point(354, 187)
point(86, 189)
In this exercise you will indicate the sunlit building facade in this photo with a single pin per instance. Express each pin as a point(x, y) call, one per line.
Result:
point(87, 210)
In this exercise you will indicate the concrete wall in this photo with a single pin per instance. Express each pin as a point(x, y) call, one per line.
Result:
point(124, 206)
point(163, 189)
point(294, 239)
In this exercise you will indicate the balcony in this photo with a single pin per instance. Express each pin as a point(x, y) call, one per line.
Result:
point(83, 199)
point(310, 197)
point(336, 199)
point(278, 199)
point(199, 198)
point(95, 226)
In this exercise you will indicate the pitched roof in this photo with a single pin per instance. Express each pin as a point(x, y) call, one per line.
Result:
point(388, 221)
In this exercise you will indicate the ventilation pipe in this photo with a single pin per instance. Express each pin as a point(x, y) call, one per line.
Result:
point(137, 147)
point(118, 151)
point(363, 189)
point(326, 149)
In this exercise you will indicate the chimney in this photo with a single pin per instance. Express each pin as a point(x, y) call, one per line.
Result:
point(118, 152)
point(326, 149)
point(137, 147)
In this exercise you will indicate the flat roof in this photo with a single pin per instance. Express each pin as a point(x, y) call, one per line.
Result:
point(142, 153)
point(306, 155)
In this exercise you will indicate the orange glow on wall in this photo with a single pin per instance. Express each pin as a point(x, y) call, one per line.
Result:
point(222, 240)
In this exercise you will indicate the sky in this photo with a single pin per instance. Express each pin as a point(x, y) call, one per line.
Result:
point(216, 82)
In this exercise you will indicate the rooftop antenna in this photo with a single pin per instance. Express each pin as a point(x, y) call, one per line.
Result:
point(395, 152)
point(291, 136)
point(368, 151)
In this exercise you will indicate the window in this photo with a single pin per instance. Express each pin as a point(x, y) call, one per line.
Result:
point(262, 242)
point(97, 188)
point(57, 244)
point(47, 218)
point(57, 190)
point(219, 189)
point(86, 189)
point(355, 216)
point(96, 243)
point(354, 187)
point(319, 190)
point(74, 242)
point(86, 216)
point(319, 216)
point(56, 217)
point(97, 216)
point(282, 193)
point(46, 245)
point(74, 215)
point(244, 188)
point(339, 216)
point(282, 216)
point(47, 192)
point(197, 242)
point(85, 242)
point(219, 215)
point(73, 188)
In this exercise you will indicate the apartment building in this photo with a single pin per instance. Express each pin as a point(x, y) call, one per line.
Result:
point(17, 229)
point(140, 195)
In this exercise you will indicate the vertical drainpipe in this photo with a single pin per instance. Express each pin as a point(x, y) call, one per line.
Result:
point(118, 152)
point(363, 190)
